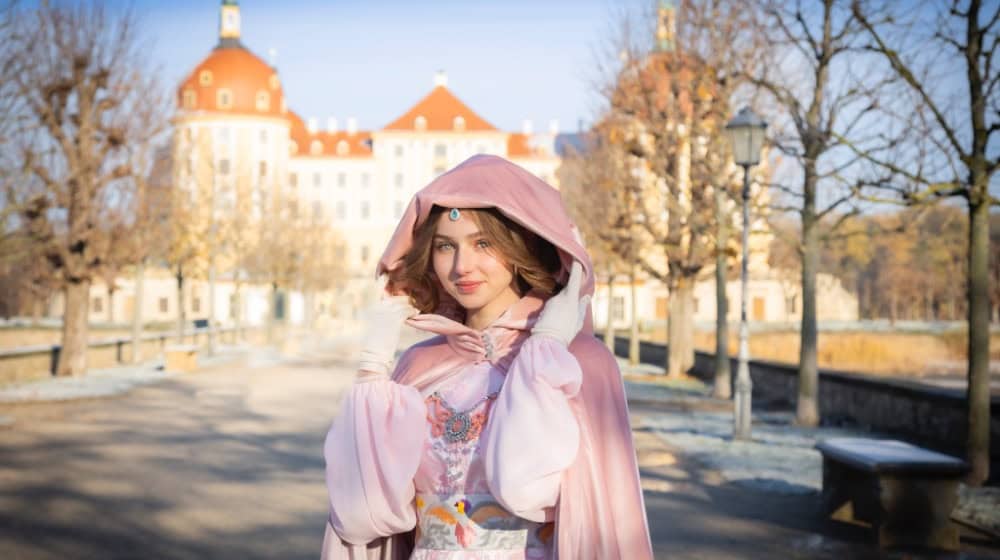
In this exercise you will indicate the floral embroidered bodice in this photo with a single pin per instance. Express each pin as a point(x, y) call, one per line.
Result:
point(457, 517)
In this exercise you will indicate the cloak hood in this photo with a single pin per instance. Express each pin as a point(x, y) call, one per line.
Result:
point(486, 181)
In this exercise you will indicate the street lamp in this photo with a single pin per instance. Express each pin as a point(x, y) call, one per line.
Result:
point(746, 135)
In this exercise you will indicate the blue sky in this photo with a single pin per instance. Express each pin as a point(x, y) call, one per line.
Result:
point(510, 60)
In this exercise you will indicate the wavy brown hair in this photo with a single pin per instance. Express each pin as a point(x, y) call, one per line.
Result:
point(534, 261)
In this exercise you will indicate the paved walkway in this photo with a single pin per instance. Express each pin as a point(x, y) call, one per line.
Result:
point(227, 463)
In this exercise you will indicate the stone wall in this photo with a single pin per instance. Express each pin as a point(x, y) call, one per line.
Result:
point(929, 416)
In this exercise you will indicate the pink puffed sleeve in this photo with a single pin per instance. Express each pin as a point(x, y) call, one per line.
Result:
point(372, 453)
point(533, 435)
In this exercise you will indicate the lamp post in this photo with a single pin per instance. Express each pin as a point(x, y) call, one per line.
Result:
point(746, 135)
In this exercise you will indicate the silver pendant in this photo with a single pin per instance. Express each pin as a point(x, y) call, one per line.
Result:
point(456, 427)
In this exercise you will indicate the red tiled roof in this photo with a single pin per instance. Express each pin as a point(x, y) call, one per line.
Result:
point(243, 74)
point(358, 143)
point(440, 107)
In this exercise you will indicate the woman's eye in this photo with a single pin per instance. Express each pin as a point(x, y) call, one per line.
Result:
point(442, 246)
point(483, 244)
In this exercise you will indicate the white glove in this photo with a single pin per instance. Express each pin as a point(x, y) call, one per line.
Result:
point(384, 323)
point(564, 313)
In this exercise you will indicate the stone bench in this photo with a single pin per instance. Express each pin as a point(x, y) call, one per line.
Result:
point(906, 493)
point(181, 358)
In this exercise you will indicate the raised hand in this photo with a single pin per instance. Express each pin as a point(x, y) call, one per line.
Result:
point(564, 313)
point(383, 324)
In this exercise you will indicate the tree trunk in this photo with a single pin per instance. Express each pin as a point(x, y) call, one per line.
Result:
point(680, 324)
point(633, 335)
point(211, 302)
point(609, 325)
point(978, 444)
point(180, 305)
point(272, 312)
point(807, 406)
point(73, 354)
point(111, 305)
point(238, 310)
point(36, 310)
point(722, 387)
point(140, 273)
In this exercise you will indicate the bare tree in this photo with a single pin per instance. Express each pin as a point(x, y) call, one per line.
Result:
point(945, 146)
point(809, 83)
point(669, 105)
point(594, 186)
point(81, 81)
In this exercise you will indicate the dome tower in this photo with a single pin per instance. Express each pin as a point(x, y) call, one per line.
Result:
point(232, 122)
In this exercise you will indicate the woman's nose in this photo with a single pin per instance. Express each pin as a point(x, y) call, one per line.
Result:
point(464, 261)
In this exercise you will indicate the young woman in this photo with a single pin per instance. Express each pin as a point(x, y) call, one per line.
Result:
point(507, 435)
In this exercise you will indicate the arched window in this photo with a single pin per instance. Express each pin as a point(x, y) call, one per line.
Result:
point(420, 123)
point(343, 148)
point(224, 99)
point(293, 147)
point(205, 77)
point(458, 124)
point(273, 82)
point(316, 148)
point(263, 101)
point(190, 99)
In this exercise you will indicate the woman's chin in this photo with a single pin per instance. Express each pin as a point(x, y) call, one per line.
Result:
point(470, 302)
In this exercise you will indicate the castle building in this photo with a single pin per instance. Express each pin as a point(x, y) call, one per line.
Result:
point(235, 133)
point(235, 129)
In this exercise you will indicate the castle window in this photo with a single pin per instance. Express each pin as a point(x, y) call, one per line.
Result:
point(223, 167)
point(205, 77)
point(263, 136)
point(399, 150)
point(293, 147)
point(420, 123)
point(440, 151)
point(164, 305)
point(458, 124)
point(273, 81)
point(365, 210)
point(399, 180)
point(190, 99)
point(263, 101)
point(284, 106)
point(341, 180)
point(316, 148)
point(341, 210)
point(317, 179)
point(364, 179)
point(399, 209)
point(317, 210)
point(224, 99)
point(343, 148)
point(293, 179)
point(263, 169)
point(97, 305)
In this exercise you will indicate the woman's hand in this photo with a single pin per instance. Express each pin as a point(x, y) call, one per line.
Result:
point(564, 313)
point(384, 322)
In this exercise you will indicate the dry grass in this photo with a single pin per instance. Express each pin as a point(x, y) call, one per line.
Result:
point(912, 354)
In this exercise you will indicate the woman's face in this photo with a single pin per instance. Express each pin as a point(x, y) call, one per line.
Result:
point(468, 268)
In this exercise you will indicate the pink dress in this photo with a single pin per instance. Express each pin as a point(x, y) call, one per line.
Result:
point(473, 463)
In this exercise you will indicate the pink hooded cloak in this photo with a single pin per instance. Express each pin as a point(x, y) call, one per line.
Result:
point(565, 450)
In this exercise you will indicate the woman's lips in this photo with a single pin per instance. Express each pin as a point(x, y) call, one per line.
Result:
point(467, 287)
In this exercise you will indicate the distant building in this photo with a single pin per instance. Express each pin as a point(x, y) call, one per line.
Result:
point(233, 112)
